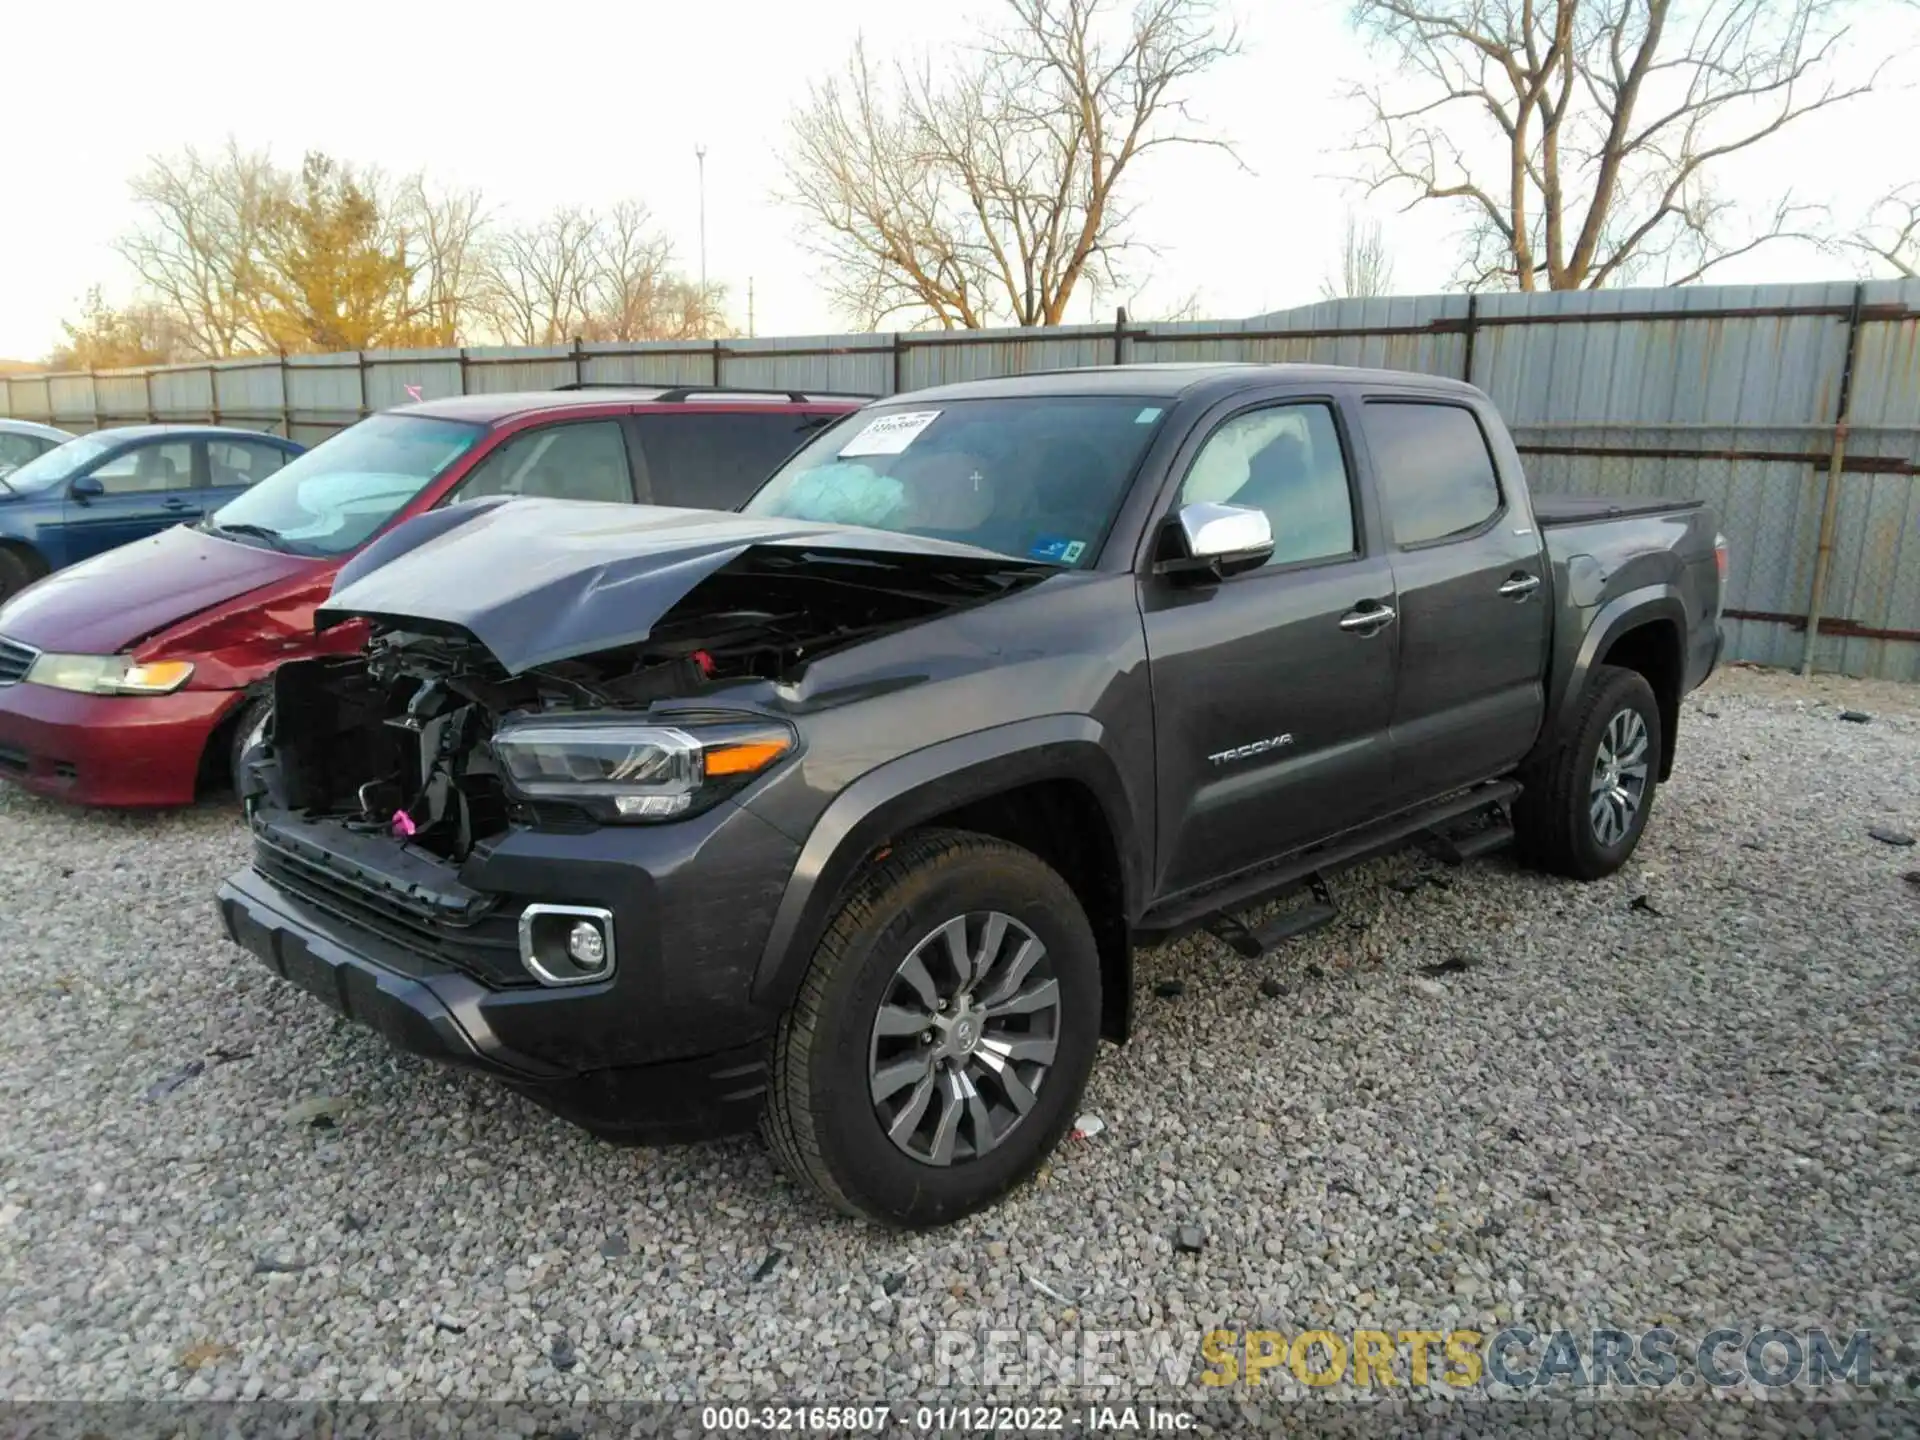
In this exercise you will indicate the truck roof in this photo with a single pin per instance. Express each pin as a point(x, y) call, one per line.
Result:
point(1166, 381)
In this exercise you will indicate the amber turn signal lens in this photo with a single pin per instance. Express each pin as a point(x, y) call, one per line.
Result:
point(746, 757)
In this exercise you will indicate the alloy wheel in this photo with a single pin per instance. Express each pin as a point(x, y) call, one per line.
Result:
point(964, 1038)
point(1619, 777)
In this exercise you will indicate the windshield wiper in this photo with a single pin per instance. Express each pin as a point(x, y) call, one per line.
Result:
point(275, 540)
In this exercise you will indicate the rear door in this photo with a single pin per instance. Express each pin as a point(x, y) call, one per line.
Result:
point(143, 489)
point(715, 459)
point(1271, 700)
point(1473, 624)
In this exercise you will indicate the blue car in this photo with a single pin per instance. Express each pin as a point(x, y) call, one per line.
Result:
point(102, 490)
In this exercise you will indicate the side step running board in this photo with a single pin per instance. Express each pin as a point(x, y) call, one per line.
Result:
point(1457, 849)
point(1186, 912)
point(1288, 925)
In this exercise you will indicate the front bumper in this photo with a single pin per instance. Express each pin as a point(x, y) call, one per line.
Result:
point(444, 1015)
point(120, 750)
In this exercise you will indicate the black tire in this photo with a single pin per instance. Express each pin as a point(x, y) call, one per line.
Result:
point(1553, 819)
point(17, 571)
point(821, 1121)
point(251, 714)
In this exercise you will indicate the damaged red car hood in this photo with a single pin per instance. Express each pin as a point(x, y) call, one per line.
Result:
point(115, 600)
point(537, 581)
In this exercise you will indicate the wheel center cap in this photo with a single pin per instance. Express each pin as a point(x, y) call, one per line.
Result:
point(966, 1034)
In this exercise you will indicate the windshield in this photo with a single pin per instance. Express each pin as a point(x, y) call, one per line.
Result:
point(332, 499)
point(57, 464)
point(1036, 478)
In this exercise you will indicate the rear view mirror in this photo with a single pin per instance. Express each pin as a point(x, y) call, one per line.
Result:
point(1213, 539)
point(86, 488)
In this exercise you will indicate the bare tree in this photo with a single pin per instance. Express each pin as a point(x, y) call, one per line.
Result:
point(582, 274)
point(1366, 269)
point(1582, 136)
point(196, 250)
point(537, 274)
point(992, 187)
point(439, 235)
point(1891, 233)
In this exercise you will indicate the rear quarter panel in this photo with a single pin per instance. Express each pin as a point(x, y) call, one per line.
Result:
point(1610, 576)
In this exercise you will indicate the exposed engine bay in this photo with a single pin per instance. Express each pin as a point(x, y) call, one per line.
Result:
point(397, 741)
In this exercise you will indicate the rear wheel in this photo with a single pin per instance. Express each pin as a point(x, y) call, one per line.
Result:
point(942, 1036)
point(1585, 806)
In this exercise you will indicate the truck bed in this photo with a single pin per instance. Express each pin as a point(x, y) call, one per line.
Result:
point(1552, 510)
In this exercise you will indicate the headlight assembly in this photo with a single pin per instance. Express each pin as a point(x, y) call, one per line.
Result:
point(623, 771)
point(108, 674)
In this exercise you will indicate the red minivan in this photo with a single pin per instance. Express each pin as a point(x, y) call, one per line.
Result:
point(133, 678)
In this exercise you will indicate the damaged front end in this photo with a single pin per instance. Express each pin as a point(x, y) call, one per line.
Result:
point(384, 778)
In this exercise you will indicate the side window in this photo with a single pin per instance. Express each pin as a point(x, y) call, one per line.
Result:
point(714, 462)
point(1436, 476)
point(17, 449)
point(148, 469)
point(241, 462)
point(585, 461)
point(1286, 461)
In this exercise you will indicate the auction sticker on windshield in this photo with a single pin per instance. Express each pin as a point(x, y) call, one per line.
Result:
point(890, 434)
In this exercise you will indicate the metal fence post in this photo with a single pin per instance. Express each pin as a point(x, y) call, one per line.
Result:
point(1120, 335)
point(718, 352)
point(899, 361)
point(1836, 463)
point(1473, 315)
point(579, 369)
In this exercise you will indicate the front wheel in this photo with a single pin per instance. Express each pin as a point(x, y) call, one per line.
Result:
point(942, 1036)
point(1585, 806)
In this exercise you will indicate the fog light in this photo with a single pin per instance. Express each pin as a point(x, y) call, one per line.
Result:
point(566, 944)
point(585, 945)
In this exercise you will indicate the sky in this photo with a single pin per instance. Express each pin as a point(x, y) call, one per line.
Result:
point(589, 103)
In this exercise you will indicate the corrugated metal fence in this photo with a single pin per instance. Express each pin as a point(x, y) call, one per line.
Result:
point(1794, 410)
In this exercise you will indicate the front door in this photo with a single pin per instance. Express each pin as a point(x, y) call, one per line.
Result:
point(142, 490)
point(1271, 697)
point(1473, 613)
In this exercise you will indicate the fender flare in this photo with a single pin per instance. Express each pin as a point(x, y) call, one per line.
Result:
point(1611, 621)
point(914, 788)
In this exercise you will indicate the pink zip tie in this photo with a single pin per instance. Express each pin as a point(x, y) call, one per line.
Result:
point(403, 824)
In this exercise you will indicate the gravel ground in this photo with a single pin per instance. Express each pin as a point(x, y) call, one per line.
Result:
point(1699, 1114)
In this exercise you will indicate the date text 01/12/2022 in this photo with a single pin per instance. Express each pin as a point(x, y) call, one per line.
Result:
point(945, 1419)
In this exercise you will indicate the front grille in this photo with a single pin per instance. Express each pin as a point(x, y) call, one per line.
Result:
point(487, 948)
point(15, 660)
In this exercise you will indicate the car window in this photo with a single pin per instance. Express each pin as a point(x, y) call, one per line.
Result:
point(713, 462)
point(148, 469)
point(1039, 477)
point(1287, 462)
point(329, 500)
point(585, 461)
point(17, 449)
point(241, 462)
point(1436, 475)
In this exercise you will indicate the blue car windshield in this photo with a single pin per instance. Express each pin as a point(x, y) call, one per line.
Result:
point(1039, 478)
point(43, 472)
point(332, 499)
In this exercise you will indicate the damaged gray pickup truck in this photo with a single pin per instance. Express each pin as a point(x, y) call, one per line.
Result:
point(843, 814)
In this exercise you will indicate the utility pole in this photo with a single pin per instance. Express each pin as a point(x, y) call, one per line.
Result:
point(700, 158)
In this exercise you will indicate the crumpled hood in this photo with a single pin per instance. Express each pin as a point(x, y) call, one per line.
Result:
point(542, 580)
point(117, 599)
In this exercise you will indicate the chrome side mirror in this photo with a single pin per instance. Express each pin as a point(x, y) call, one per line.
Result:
point(1218, 540)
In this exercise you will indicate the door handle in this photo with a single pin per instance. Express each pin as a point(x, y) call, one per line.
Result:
point(1520, 586)
point(1367, 622)
point(174, 502)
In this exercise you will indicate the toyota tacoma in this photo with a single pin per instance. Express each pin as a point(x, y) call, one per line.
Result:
point(843, 813)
